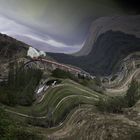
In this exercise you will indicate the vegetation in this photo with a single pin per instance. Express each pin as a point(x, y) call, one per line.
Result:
point(94, 84)
point(57, 103)
point(96, 59)
point(11, 48)
point(9, 130)
point(116, 104)
point(58, 81)
point(111, 105)
point(20, 86)
point(58, 73)
point(135, 135)
point(133, 94)
point(98, 81)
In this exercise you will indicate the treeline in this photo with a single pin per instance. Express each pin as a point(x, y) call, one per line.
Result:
point(20, 86)
point(116, 104)
point(58, 73)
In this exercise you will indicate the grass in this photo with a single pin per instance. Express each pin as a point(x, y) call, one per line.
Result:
point(60, 104)
point(59, 101)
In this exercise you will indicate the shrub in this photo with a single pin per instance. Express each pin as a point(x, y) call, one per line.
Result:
point(133, 94)
point(111, 105)
point(58, 73)
point(116, 104)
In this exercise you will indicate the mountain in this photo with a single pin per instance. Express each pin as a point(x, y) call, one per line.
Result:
point(125, 24)
point(109, 41)
point(10, 47)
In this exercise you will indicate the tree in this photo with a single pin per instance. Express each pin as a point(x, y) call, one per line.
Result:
point(11, 75)
point(111, 104)
point(133, 94)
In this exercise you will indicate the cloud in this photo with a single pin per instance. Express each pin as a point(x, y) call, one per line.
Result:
point(61, 19)
point(60, 24)
point(26, 34)
point(53, 42)
point(10, 27)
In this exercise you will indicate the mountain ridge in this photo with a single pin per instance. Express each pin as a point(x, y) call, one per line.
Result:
point(10, 47)
point(107, 51)
point(126, 24)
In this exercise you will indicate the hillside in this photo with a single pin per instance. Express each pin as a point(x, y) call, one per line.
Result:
point(39, 103)
point(70, 106)
point(10, 47)
point(107, 51)
point(125, 24)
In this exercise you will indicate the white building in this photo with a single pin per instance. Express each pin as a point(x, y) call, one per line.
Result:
point(42, 53)
point(33, 53)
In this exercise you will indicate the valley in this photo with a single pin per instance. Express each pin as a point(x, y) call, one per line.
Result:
point(91, 96)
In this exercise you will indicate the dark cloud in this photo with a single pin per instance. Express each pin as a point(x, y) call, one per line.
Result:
point(131, 6)
point(67, 22)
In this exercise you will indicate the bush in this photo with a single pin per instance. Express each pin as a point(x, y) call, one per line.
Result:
point(133, 94)
point(58, 73)
point(135, 135)
point(116, 104)
point(111, 105)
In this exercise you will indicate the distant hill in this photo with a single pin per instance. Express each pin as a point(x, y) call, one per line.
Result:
point(109, 48)
point(10, 47)
point(109, 40)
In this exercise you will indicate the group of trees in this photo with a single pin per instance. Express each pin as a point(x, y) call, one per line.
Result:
point(111, 104)
point(116, 104)
point(20, 86)
point(58, 73)
point(133, 94)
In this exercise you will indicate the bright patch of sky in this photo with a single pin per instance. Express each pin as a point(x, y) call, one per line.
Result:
point(12, 28)
point(58, 23)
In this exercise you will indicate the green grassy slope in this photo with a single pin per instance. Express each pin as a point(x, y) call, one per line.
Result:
point(59, 101)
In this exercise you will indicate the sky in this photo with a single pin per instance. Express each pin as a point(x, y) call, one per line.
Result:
point(57, 25)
